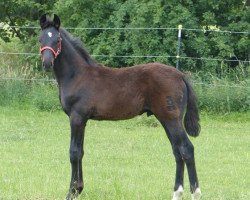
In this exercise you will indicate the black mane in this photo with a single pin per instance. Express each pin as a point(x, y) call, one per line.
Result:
point(78, 46)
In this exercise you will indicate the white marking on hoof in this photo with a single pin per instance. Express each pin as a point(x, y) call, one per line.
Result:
point(178, 193)
point(197, 194)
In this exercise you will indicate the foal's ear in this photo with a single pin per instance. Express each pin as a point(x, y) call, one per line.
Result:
point(56, 21)
point(43, 20)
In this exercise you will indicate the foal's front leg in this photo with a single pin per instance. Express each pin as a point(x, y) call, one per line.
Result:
point(77, 124)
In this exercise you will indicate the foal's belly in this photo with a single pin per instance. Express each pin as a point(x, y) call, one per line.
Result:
point(117, 110)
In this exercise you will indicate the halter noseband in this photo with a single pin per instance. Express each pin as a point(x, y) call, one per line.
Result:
point(59, 47)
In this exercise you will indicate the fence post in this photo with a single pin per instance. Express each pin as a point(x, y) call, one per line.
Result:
point(178, 46)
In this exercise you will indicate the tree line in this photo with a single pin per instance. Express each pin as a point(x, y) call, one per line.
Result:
point(205, 15)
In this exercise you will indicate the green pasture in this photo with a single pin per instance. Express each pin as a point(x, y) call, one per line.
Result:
point(123, 160)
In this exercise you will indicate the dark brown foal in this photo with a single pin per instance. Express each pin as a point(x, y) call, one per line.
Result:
point(91, 91)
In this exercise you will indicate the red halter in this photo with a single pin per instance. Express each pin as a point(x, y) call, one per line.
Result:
point(59, 47)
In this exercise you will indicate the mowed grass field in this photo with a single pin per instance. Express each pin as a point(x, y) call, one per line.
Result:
point(123, 160)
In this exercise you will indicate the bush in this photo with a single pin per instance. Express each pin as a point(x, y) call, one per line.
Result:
point(29, 94)
point(214, 95)
point(221, 96)
point(13, 92)
point(44, 96)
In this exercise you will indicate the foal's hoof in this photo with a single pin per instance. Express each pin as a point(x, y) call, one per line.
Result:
point(197, 194)
point(178, 193)
point(72, 196)
point(73, 192)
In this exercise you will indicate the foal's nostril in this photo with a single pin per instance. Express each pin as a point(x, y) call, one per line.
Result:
point(48, 65)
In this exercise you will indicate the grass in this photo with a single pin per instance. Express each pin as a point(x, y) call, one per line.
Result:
point(123, 160)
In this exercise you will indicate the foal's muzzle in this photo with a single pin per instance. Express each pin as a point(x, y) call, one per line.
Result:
point(47, 60)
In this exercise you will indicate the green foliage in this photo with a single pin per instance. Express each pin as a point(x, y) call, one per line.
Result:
point(126, 14)
point(133, 13)
point(29, 94)
point(21, 13)
point(13, 92)
point(215, 96)
point(44, 96)
point(222, 95)
point(220, 99)
point(201, 14)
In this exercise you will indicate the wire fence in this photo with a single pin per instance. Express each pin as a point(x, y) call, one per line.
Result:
point(132, 56)
point(136, 56)
point(134, 28)
point(138, 28)
point(214, 95)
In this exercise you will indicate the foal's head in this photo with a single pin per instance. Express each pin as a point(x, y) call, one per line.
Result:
point(50, 40)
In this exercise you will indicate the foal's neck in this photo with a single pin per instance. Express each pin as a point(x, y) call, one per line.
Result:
point(69, 64)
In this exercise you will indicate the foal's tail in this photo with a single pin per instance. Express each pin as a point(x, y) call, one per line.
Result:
point(191, 118)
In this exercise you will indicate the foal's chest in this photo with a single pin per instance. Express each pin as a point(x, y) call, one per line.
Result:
point(71, 98)
point(66, 100)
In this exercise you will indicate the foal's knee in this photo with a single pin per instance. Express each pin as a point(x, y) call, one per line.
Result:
point(74, 155)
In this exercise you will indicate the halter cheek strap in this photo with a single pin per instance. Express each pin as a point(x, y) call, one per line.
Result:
point(55, 53)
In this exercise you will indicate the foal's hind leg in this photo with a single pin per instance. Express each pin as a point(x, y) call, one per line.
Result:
point(178, 187)
point(184, 152)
